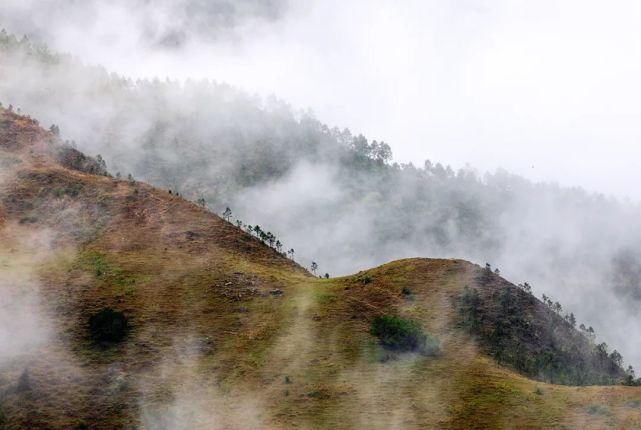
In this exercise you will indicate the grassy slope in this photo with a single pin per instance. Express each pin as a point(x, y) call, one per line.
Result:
point(213, 343)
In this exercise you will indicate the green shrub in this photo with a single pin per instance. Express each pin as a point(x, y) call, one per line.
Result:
point(108, 325)
point(402, 334)
point(597, 410)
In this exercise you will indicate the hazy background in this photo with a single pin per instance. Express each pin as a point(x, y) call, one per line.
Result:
point(546, 89)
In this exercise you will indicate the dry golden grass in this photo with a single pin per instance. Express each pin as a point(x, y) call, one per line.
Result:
point(226, 333)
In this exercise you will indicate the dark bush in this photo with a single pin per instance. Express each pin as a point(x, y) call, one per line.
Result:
point(24, 382)
point(402, 334)
point(108, 325)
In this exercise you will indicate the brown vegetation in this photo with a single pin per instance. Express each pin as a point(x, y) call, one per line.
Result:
point(224, 332)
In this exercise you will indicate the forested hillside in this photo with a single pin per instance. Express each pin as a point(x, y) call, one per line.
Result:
point(125, 306)
point(336, 197)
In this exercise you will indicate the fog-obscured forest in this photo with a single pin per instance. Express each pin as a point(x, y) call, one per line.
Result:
point(335, 196)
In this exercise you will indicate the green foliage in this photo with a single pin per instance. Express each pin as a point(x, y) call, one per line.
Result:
point(469, 309)
point(108, 325)
point(402, 334)
point(533, 337)
point(98, 264)
point(76, 160)
point(365, 279)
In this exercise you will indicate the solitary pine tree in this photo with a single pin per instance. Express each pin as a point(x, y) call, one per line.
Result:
point(227, 214)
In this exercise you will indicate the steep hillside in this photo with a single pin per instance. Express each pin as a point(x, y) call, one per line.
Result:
point(335, 196)
point(224, 332)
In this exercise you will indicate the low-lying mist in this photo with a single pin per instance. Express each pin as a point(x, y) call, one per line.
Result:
point(336, 198)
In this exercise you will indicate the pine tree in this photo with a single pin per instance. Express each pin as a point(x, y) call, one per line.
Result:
point(227, 214)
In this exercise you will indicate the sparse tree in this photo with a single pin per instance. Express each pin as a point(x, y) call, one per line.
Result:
point(314, 267)
point(616, 358)
point(130, 178)
point(572, 319)
point(602, 350)
point(290, 253)
point(101, 162)
point(270, 239)
point(55, 130)
point(279, 246)
point(239, 224)
point(630, 371)
point(257, 230)
point(227, 214)
point(201, 202)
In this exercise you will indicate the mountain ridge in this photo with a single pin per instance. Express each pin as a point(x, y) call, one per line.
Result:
point(223, 330)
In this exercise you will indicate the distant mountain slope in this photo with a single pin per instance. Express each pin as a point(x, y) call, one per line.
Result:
point(222, 331)
point(336, 197)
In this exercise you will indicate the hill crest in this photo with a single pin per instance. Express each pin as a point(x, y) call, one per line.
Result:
point(225, 330)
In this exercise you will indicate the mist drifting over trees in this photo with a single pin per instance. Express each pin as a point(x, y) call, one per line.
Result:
point(336, 196)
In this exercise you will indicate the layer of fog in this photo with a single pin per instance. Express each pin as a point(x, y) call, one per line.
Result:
point(545, 89)
point(197, 401)
point(293, 176)
point(24, 326)
point(566, 102)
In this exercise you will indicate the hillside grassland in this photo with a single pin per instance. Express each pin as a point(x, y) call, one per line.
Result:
point(225, 332)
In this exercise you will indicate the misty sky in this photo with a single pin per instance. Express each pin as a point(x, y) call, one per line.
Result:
point(546, 89)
